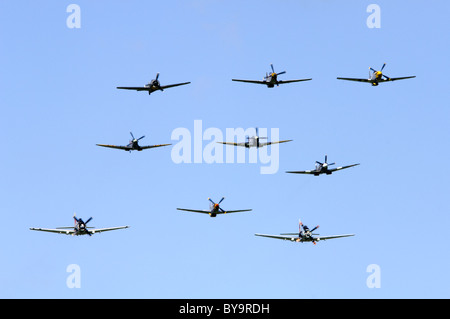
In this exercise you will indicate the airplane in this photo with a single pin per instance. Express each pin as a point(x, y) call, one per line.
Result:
point(271, 79)
point(253, 141)
point(377, 77)
point(133, 145)
point(304, 235)
point(152, 86)
point(214, 209)
point(79, 228)
point(322, 168)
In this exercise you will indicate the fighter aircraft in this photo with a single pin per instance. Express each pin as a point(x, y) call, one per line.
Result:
point(377, 77)
point(253, 141)
point(304, 235)
point(322, 168)
point(133, 145)
point(79, 228)
point(271, 79)
point(214, 209)
point(152, 86)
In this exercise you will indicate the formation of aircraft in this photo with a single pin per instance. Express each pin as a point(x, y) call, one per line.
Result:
point(152, 86)
point(322, 168)
point(133, 145)
point(254, 141)
point(271, 79)
point(377, 77)
point(214, 209)
point(304, 235)
point(79, 228)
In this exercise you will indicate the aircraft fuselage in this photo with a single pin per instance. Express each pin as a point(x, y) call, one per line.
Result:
point(271, 80)
point(375, 77)
point(214, 210)
point(252, 142)
point(133, 145)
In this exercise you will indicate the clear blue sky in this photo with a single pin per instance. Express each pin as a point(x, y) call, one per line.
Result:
point(59, 98)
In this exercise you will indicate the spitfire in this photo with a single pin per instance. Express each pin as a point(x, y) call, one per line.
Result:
point(80, 228)
point(133, 145)
point(304, 235)
point(322, 168)
point(254, 141)
point(152, 86)
point(376, 77)
point(271, 79)
point(214, 209)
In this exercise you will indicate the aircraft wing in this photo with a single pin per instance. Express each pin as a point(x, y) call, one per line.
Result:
point(68, 231)
point(136, 88)
point(172, 85)
point(195, 210)
point(277, 142)
point(292, 81)
point(101, 230)
point(301, 172)
point(231, 143)
point(250, 81)
point(354, 79)
point(342, 167)
point(278, 237)
point(295, 238)
point(233, 211)
point(334, 236)
point(115, 146)
point(71, 230)
point(152, 146)
point(395, 79)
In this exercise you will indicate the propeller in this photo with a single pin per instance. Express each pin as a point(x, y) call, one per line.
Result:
point(325, 163)
point(80, 221)
point(283, 72)
point(257, 135)
point(381, 70)
point(276, 74)
point(220, 201)
point(85, 227)
point(134, 139)
point(156, 82)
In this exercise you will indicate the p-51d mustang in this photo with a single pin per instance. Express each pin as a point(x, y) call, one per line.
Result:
point(79, 228)
point(152, 86)
point(322, 168)
point(271, 79)
point(133, 145)
point(304, 235)
point(253, 141)
point(377, 77)
point(214, 209)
